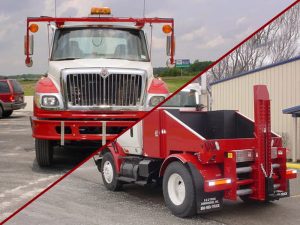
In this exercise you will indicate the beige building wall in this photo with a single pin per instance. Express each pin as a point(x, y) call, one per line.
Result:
point(283, 83)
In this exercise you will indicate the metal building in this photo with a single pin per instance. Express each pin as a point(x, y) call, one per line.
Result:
point(283, 81)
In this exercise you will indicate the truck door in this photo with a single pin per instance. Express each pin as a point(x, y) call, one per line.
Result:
point(132, 140)
point(153, 135)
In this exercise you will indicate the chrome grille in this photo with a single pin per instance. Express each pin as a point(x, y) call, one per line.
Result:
point(94, 90)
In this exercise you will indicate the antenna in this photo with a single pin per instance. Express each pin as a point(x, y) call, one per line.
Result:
point(144, 9)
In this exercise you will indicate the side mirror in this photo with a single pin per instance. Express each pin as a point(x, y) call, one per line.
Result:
point(170, 50)
point(168, 45)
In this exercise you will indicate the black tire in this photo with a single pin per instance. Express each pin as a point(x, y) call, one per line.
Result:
point(246, 199)
point(7, 113)
point(44, 152)
point(188, 206)
point(111, 183)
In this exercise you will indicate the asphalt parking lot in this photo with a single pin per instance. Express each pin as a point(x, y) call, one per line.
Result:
point(81, 198)
point(20, 176)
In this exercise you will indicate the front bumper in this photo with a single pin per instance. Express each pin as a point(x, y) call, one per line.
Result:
point(79, 127)
point(13, 106)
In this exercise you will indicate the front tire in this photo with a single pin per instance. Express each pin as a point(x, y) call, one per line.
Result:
point(44, 152)
point(179, 191)
point(109, 173)
point(7, 113)
point(1, 112)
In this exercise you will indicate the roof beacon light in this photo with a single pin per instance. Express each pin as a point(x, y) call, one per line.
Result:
point(33, 28)
point(167, 29)
point(100, 11)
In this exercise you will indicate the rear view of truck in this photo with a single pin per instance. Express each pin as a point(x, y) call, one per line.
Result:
point(203, 157)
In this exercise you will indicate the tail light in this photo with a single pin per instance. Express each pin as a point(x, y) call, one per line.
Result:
point(12, 98)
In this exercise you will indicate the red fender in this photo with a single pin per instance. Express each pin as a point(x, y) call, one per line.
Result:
point(158, 86)
point(45, 85)
point(117, 151)
point(208, 171)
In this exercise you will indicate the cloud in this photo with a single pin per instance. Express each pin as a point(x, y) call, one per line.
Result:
point(244, 33)
point(195, 34)
point(213, 43)
point(4, 19)
point(241, 21)
point(158, 42)
point(160, 13)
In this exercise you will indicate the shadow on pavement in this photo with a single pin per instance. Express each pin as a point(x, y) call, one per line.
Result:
point(12, 117)
point(65, 159)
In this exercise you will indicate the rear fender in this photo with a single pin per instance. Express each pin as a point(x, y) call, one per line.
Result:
point(208, 171)
point(206, 201)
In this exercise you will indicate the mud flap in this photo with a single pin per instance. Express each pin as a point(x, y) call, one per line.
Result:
point(206, 202)
point(272, 194)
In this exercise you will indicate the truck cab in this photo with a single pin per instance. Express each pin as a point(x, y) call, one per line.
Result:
point(99, 82)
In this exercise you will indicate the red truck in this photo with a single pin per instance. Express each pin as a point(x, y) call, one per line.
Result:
point(202, 157)
point(100, 78)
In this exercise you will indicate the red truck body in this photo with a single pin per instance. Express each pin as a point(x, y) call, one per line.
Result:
point(225, 154)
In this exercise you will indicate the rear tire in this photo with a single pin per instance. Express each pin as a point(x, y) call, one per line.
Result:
point(44, 152)
point(7, 113)
point(246, 199)
point(179, 191)
point(109, 173)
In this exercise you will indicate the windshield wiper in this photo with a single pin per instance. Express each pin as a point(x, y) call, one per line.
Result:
point(67, 58)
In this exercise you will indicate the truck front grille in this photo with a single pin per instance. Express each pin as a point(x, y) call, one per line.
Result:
point(94, 90)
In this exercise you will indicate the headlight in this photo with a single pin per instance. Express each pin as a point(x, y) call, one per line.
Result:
point(49, 101)
point(155, 100)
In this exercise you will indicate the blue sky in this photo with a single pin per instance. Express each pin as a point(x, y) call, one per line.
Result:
point(205, 29)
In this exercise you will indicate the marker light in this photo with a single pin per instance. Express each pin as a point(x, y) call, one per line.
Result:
point(219, 182)
point(167, 29)
point(101, 11)
point(288, 172)
point(11, 98)
point(33, 28)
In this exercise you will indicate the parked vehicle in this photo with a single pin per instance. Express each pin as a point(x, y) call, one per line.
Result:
point(11, 97)
point(100, 79)
point(202, 157)
point(186, 99)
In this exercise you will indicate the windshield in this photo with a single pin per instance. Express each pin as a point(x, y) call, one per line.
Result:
point(182, 99)
point(107, 43)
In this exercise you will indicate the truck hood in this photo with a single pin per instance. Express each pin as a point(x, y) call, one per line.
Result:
point(55, 67)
